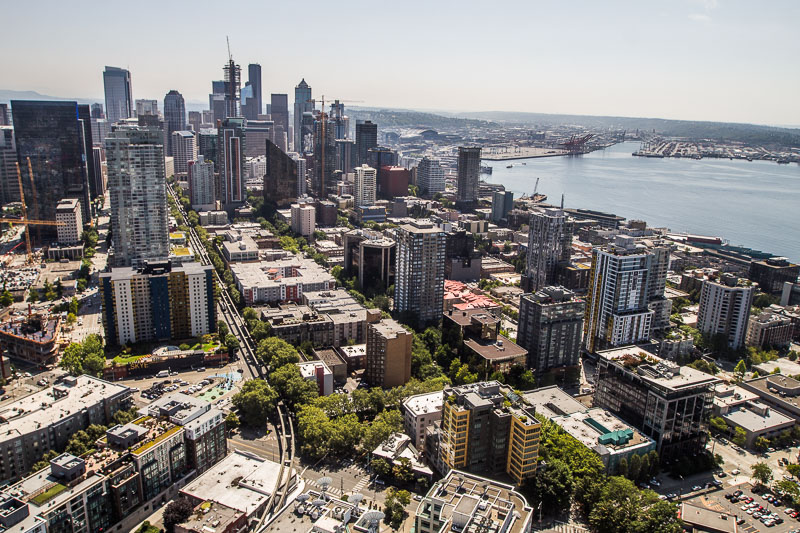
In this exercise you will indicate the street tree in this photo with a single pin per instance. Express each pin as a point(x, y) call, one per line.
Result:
point(762, 473)
point(255, 402)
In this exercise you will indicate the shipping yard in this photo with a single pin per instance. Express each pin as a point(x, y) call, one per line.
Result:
point(717, 149)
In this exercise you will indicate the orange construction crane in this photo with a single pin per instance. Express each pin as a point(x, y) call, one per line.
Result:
point(25, 220)
point(322, 117)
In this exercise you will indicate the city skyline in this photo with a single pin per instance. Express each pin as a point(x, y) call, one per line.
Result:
point(688, 60)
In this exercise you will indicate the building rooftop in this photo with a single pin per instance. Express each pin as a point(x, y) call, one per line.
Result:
point(241, 481)
point(356, 350)
point(657, 371)
point(67, 204)
point(53, 404)
point(553, 401)
point(39, 329)
point(786, 366)
point(708, 520)
point(782, 390)
point(329, 357)
point(729, 395)
point(420, 404)
point(498, 350)
point(472, 503)
point(389, 328)
point(210, 517)
point(756, 417)
point(288, 271)
point(308, 369)
point(180, 408)
point(596, 428)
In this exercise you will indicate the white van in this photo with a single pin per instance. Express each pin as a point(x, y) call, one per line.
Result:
point(163, 374)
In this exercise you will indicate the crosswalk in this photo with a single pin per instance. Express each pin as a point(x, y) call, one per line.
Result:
point(363, 482)
point(336, 491)
point(331, 489)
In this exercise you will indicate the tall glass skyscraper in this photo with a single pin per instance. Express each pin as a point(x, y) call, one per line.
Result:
point(174, 116)
point(302, 104)
point(52, 135)
point(119, 97)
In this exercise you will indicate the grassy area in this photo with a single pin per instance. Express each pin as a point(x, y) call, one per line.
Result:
point(49, 494)
point(208, 347)
point(149, 444)
point(126, 360)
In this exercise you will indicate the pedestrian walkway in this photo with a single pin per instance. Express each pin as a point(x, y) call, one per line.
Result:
point(363, 482)
point(331, 490)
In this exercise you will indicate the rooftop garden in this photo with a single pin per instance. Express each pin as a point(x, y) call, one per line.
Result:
point(49, 494)
point(152, 442)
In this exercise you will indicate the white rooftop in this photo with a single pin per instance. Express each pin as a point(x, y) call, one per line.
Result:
point(421, 404)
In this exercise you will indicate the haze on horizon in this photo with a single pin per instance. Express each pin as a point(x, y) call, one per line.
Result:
point(728, 61)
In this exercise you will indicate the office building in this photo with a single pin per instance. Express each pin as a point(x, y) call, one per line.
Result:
point(68, 213)
point(370, 256)
point(725, 308)
point(345, 155)
point(475, 333)
point(551, 328)
point(195, 120)
point(97, 110)
point(257, 133)
point(469, 503)
point(302, 174)
point(232, 84)
point(138, 189)
point(216, 101)
point(388, 361)
point(617, 310)
point(100, 130)
point(184, 149)
point(430, 177)
point(281, 180)
point(365, 184)
point(119, 97)
point(790, 295)
point(393, 182)
point(174, 116)
point(55, 136)
point(469, 166)
point(201, 183)
point(33, 338)
point(769, 329)
point(48, 418)
point(419, 271)
point(381, 156)
point(772, 273)
point(545, 247)
point(254, 80)
point(4, 115)
point(481, 433)
point(230, 150)
point(670, 404)
point(420, 412)
point(157, 302)
point(324, 159)
point(462, 260)
point(366, 138)
point(146, 107)
point(502, 204)
point(303, 219)
point(9, 188)
point(302, 105)
point(280, 114)
point(207, 142)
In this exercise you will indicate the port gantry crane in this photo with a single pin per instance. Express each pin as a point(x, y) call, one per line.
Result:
point(27, 222)
point(577, 145)
point(322, 117)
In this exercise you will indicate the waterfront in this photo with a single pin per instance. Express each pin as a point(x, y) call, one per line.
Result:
point(752, 203)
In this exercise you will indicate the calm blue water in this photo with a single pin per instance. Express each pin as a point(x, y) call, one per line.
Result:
point(751, 203)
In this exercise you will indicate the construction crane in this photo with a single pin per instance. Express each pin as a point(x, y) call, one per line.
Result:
point(25, 220)
point(322, 117)
point(577, 145)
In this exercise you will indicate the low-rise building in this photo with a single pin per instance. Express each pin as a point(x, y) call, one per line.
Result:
point(354, 355)
point(334, 362)
point(282, 280)
point(778, 391)
point(298, 323)
point(491, 265)
point(769, 329)
point(728, 397)
point(239, 247)
point(467, 502)
point(213, 218)
point(215, 516)
point(33, 338)
point(399, 446)
point(758, 420)
point(419, 412)
point(772, 273)
point(319, 373)
point(675, 344)
point(479, 331)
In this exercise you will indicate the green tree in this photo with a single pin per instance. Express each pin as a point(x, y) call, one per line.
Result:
point(74, 306)
point(739, 436)
point(789, 487)
point(231, 343)
point(618, 507)
point(177, 512)
point(761, 444)
point(71, 319)
point(381, 467)
point(622, 467)
point(762, 473)
point(634, 467)
point(741, 369)
point(86, 357)
point(794, 470)
point(6, 298)
point(33, 295)
point(222, 329)
point(291, 386)
point(555, 484)
point(255, 402)
point(402, 470)
point(232, 421)
point(718, 425)
point(276, 352)
point(376, 432)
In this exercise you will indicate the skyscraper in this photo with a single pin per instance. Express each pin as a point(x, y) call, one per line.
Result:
point(502, 203)
point(419, 271)
point(324, 158)
point(550, 328)
point(616, 304)
point(365, 184)
point(87, 139)
point(195, 120)
point(430, 177)
point(201, 183)
point(53, 136)
point(184, 147)
point(281, 179)
point(216, 101)
point(366, 138)
point(119, 97)
point(302, 104)
point(279, 108)
point(230, 150)
point(174, 116)
point(469, 166)
point(137, 185)
point(254, 80)
point(97, 111)
point(9, 189)
point(545, 247)
point(725, 308)
point(233, 88)
point(4, 115)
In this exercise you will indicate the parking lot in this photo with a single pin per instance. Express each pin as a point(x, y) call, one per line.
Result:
point(750, 509)
point(207, 383)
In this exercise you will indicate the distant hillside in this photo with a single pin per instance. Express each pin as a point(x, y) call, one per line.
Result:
point(723, 131)
point(411, 119)
point(7, 95)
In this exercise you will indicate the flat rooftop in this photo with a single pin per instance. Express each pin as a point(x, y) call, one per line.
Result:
point(53, 404)
point(552, 401)
point(707, 519)
point(499, 350)
point(241, 481)
point(656, 370)
point(421, 404)
point(754, 422)
point(591, 427)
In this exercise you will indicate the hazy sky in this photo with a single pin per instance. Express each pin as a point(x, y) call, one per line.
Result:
point(700, 60)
